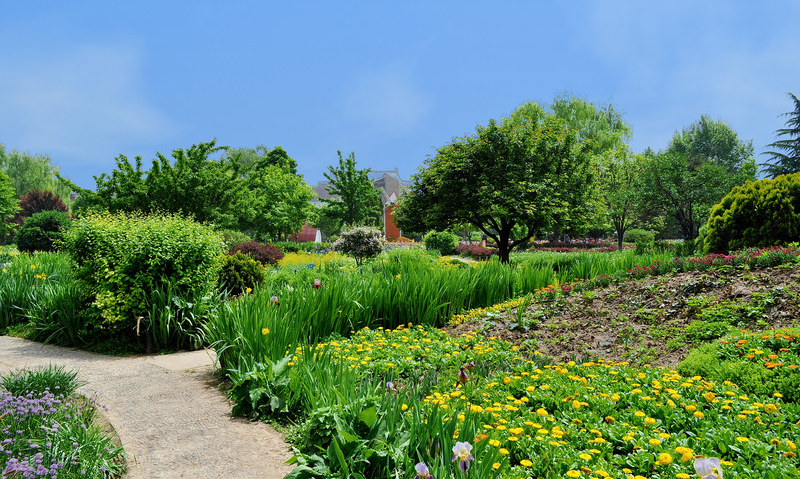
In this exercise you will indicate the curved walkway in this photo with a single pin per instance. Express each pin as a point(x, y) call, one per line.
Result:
point(170, 417)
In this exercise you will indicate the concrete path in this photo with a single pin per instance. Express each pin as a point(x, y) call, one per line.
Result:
point(170, 417)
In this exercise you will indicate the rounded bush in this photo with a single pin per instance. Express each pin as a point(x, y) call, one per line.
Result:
point(265, 254)
point(360, 243)
point(43, 231)
point(239, 273)
point(233, 238)
point(756, 214)
point(442, 241)
point(637, 235)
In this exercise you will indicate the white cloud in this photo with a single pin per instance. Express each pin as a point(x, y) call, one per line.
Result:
point(389, 98)
point(84, 102)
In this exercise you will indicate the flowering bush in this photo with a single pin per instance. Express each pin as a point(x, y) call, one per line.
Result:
point(475, 251)
point(360, 243)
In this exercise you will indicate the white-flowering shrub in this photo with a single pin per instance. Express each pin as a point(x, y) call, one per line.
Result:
point(360, 243)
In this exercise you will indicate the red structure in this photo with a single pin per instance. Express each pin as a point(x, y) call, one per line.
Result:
point(307, 234)
point(391, 231)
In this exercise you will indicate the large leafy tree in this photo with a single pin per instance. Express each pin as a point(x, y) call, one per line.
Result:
point(785, 157)
point(701, 164)
point(356, 202)
point(282, 202)
point(211, 191)
point(31, 172)
point(603, 125)
point(524, 175)
point(8, 203)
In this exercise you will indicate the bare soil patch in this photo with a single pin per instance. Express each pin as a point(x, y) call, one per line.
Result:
point(650, 320)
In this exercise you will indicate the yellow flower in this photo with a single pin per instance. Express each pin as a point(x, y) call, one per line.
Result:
point(664, 459)
point(742, 439)
point(543, 413)
point(682, 475)
point(654, 442)
point(525, 463)
point(504, 451)
point(698, 414)
point(404, 407)
point(496, 465)
point(585, 456)
point(265, 331)
point(573, 473)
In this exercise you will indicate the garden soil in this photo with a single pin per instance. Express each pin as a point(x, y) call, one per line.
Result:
point(169, 413)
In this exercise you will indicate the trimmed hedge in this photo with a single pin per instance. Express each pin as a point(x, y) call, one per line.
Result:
point(43, 231)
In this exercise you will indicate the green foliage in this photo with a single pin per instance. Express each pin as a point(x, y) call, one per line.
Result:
point(757, 214)
point(262, 157)
point(360, 243)
point(9, 204)
point(442, 241)
point(211, 191)
point(759, 363)
point(46, 422)
point(532, 175)
point(28, 285)
point(701, 164)
point(240, 273)
point(122, 258)
point(233, 238)
point(282, 200)
point(636, 235)
point(358, 202)
point(266, 254)
point(43, 231)
point(787, 159)
point(32, 172)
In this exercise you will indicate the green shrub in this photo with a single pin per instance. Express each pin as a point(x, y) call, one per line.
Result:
point(233, 238)
point(43, 231)
point(442, 241)
point(635, 235)
point(759, 363)
point(360, 243)
point(756, 214)
point(122, 258)
point(265, 254)
point(239, 273)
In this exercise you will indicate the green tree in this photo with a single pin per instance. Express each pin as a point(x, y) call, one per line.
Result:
point(9, 204)
point(701, 164)
point(620, 189)
point(535, 174)
point(31, 172)
point(602, 125)
point(358, 202)
point(211, 191)
point(282, 202)
point(261, 157)
point(785, 159)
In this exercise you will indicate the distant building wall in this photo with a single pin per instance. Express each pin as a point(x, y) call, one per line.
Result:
point(391, 229)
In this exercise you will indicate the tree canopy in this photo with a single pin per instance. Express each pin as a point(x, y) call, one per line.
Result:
point(282, 202)
point(701, 164)
point(525, 173)
point(9, 204)
point(211, 191)
point(357, 202)
point(31, 172)
point(785, 157)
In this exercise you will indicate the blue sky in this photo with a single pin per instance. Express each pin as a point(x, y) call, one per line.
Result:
point(84, 81)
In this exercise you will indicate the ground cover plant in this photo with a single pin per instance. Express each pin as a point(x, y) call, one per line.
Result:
point(428, 394)
point(48, 429)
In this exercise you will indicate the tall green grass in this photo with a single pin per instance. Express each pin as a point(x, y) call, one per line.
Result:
point(405, 286)
point(29, 283)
